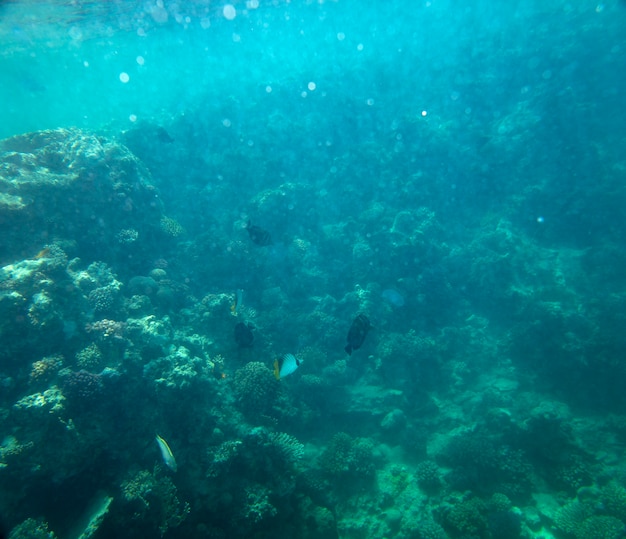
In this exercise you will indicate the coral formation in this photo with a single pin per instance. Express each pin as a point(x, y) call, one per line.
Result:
point(484, 239)
point(32, 528)
point(348, 458)
point(601, 527)
point(105, 179)
point(90, 358)
point(45, 369)
point(255, 388)
point(171, 227)
point(464, 517)
point(82, 386)
point(428, 476)
point(154, 497)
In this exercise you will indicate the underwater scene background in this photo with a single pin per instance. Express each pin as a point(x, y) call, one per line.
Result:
point(313, 269)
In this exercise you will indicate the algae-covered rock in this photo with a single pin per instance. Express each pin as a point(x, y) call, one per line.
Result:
point(149, 331)
point(179, 369)
point(49, 401)
point(70, 184)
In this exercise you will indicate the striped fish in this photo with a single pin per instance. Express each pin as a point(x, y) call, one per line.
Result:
point(285, 365)
point(166, 453)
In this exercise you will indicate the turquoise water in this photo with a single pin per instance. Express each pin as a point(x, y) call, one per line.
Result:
point(204, 205)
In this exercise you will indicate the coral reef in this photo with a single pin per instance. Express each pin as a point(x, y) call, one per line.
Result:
point(483, 237)
point(109, 189)
point(32, 529)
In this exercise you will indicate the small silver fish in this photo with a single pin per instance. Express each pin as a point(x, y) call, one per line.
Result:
point(166, 453)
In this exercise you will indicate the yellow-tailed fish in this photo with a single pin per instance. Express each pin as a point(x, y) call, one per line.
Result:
point(166, 453)
point(237, 302)
point(285, 365)
point(43, 253)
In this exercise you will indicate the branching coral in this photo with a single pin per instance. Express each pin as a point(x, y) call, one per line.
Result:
point(428, 477)
point(613, 498)
point(288, 448)
point(601, 527)
point(464, 517)
point(171, 227)
point(82, 385)
point(484, 465)
point(258, 506)
point(255, 388)
point(157, 498)
point(90, 358)
point(569, 518)
point(348, 457)
point(45, 369)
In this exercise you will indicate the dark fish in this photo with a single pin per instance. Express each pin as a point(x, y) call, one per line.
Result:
point(244, 335)
point(258, 235)
point(163, 135)
point(358, 331)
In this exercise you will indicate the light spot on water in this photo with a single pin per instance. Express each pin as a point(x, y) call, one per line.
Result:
point(226, 122)
point(424, 113)
point(311, 86)
point(341, 36)
point(359, 47)
point(75, 33)
point(124, 77)
point(540, 219)
point(268, 89)
point(229, 12)
point(140, 60)
point(133, 117)
point(393, 297)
